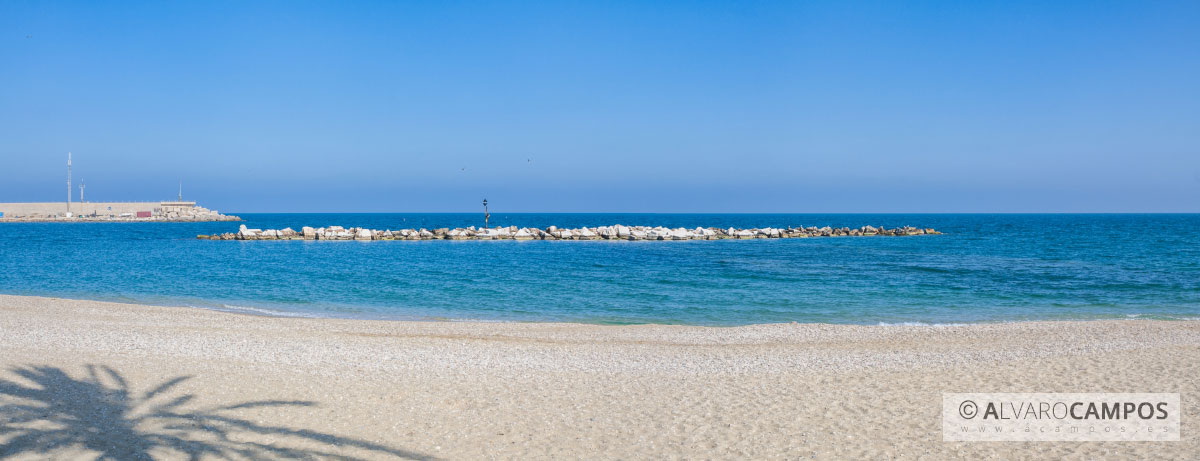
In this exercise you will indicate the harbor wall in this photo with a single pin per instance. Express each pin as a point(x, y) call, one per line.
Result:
point(159, 211)
point(31, 209)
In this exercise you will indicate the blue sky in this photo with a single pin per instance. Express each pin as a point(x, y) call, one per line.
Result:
point(607, 106)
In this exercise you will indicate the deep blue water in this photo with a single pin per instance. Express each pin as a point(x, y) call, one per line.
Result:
point(985, 268)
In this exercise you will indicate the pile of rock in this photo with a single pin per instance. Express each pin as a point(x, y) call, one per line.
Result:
point(617, 232)
point(190, 213)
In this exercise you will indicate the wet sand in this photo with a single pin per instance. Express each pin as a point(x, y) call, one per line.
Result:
point(86, 378)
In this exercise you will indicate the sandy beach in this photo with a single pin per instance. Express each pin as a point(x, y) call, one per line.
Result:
point(86, 378)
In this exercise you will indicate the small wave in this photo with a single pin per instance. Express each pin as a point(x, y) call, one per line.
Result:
point(263, 312)
point(920, 324)
point(934, 270)
point(473, 320)
point(1175, 317)
point(1136, 316)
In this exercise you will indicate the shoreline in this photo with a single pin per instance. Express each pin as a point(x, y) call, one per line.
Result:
point(295, 387)
point(1038, 336)
point(265, 312)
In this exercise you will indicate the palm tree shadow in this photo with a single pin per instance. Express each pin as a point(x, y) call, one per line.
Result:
point(101, 413)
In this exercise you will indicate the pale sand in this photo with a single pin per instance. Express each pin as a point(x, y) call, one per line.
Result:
point(77, 380)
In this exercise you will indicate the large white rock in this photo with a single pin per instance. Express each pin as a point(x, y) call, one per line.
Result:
point(622, 231)
point(363, 234)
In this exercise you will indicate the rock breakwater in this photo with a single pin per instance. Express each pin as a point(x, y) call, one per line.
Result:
point(616, 232)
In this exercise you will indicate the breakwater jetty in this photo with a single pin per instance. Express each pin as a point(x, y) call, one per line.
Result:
point(615, 232)
point(84, 211)
point(176, 211)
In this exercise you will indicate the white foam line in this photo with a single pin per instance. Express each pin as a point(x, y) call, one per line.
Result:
point(265, 312)
point(921, 324)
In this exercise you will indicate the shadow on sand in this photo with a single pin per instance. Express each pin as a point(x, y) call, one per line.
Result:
point(51, 411)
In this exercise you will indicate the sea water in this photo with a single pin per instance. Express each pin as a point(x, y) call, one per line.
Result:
point(985, 268)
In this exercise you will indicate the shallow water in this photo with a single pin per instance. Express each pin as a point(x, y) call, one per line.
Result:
point(985, 268)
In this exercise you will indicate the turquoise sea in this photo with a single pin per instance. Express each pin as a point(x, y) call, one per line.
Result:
point(985, 268)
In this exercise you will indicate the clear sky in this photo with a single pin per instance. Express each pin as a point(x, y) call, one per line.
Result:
point(688, 106)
